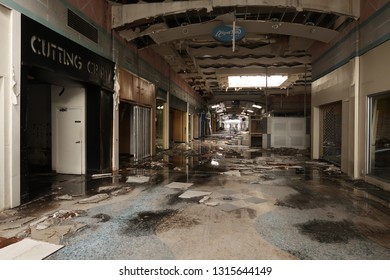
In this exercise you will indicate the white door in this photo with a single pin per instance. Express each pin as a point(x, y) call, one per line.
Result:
point(69, 142)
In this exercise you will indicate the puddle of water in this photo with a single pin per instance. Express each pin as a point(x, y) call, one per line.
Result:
point(176, 221)
point(329, 231)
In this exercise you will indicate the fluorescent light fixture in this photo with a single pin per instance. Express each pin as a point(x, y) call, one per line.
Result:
point(250, 111)
point(215, 106)
point(256, 81)
point(256, 106)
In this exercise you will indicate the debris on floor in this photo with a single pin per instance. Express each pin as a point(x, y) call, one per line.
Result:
point(28, 249)
point(95, 198)
point(56, 233)
point(8, 241)
point(56, 218)
point(179, 185)
point(192, 194)
point(212, 203)
point(122, 191)
point(204, 199)
point(17, 223)
point(101, 175)
point(235, 173)
point(137, 179)
point(64, 197)
point(107, 188)
point(333, 170)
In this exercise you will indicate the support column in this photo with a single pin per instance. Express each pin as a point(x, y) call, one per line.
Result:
point(10, 109)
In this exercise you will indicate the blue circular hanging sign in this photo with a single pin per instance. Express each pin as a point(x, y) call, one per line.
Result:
point(224, 33)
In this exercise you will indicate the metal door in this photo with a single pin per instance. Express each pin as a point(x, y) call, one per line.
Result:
point(331, 132)
point(141, 132)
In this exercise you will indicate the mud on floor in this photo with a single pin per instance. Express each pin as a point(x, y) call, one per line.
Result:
point(329, 231)
point(148, 223)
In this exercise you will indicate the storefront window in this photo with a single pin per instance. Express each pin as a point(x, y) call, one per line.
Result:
point(379, 142)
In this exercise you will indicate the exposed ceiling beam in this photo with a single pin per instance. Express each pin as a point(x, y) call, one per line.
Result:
point(256, 27)
point(124, 14)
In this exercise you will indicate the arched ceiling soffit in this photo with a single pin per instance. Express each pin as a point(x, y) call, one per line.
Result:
point(127, 13)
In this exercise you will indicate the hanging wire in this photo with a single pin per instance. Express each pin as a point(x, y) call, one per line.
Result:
point(304, 109)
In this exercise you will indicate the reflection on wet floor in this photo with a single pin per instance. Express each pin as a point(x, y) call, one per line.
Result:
point(316, 183)
point(240, 181)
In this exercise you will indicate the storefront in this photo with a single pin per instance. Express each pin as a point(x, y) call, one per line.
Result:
point(178, 117)
point(136, 118)
point(379, 139)
point(66, 107)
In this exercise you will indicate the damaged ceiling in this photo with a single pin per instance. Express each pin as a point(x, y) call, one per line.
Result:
point(276, 38)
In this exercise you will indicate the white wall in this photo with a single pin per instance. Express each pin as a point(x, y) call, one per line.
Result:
point(287, 132)
point(9, 109)
point(338, 85)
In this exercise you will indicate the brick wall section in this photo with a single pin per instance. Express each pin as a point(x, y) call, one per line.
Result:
point(99, 11)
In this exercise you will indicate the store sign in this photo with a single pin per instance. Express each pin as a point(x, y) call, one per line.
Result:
point(42, 47)
point(224, 33)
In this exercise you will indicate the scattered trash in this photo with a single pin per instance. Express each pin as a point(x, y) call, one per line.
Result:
point(204, 199)
point(227, 198)
point(122, 191)
point(95, 198)
point(333, 170)
point(214, 162)
point(177, 169)
point(17, 223)
point(94, 176)
point(56, 218)
point(235, 173)
point(192, 194)
point(179, 185)
point(107, 188)
point(56, 233)
point(213, 203)
point(137, 179)
point(64, 197)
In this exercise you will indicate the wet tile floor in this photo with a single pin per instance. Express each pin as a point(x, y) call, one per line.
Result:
point(259, 204)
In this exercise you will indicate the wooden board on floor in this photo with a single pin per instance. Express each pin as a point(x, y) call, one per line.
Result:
point(28, 249)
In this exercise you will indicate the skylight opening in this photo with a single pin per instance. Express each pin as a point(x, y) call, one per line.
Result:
point(256, 81)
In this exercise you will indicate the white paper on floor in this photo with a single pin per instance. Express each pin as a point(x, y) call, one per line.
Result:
point(137, 179)
point(233, 173)
point(191, 194)
point(28, 249)
point(95, 198)
point(179, 185)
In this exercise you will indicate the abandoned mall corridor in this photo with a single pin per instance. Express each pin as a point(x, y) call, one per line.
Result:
point(210, 199)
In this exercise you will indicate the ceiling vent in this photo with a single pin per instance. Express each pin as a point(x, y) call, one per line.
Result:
point(82, 26)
